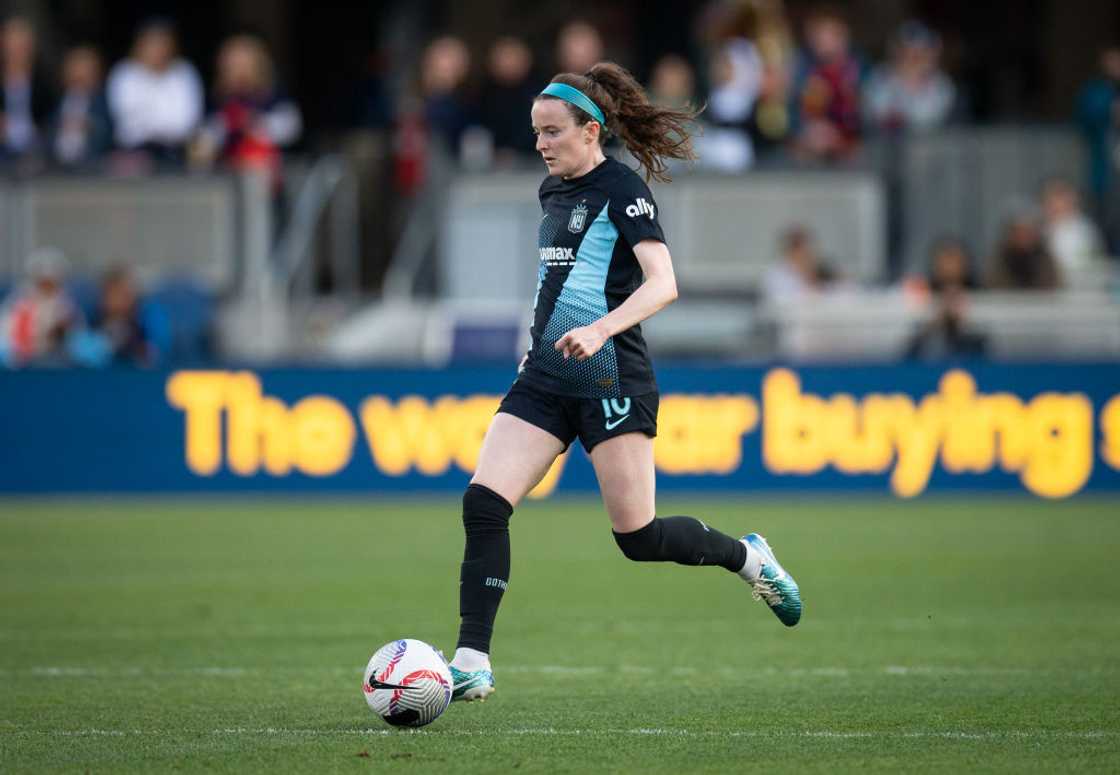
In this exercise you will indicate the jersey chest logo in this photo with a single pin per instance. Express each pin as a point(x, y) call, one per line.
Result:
point(578, 219)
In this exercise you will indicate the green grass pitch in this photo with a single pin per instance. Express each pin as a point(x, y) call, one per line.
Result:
point(229, 635)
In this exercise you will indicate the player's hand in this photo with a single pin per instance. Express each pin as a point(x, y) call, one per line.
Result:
point(581, 343)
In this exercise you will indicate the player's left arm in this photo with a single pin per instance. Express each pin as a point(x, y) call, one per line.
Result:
point(657, 291)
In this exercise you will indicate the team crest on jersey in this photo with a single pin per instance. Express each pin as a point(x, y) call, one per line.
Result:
point(578, 219)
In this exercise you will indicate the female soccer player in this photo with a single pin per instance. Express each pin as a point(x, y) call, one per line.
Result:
point(604, 268)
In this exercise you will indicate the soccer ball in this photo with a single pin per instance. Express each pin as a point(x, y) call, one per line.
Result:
point(407, 683)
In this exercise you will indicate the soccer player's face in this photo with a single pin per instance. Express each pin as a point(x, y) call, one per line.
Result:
point(567, 148)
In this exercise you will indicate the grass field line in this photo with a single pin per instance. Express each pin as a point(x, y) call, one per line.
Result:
point(982, 734)
point(575, 671)
point(906, 624)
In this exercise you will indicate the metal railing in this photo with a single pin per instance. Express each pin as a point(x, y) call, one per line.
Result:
point(328, 190)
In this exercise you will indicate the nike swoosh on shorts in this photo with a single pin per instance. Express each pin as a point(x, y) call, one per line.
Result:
point(612, 425)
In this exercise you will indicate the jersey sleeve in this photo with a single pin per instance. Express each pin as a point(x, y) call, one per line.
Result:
point(633, 211)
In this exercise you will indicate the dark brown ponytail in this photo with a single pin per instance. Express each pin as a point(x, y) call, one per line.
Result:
point(651, 133)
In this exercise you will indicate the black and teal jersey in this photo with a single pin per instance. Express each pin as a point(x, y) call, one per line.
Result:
point(588, 231)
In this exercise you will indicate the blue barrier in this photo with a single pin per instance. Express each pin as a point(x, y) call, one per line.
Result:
point(1051, 429)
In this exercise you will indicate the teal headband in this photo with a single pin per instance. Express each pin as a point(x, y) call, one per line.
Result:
point(573, 95)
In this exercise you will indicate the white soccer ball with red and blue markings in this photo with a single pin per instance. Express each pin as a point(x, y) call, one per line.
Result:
point(407, 683)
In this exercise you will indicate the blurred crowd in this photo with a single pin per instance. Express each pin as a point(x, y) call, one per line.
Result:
point(52, 321)
point(149, 111)
point(777, 93)
point(807, 95)
point(770, 89)
point(1045, 245)
point(761, 91)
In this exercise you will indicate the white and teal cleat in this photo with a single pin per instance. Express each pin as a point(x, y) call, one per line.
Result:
point(472, 685)
point(773, 584)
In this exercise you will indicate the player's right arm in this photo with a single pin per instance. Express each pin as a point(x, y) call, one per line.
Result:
point(657, 291)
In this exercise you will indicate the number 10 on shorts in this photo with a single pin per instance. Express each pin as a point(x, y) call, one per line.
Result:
point(615, 412)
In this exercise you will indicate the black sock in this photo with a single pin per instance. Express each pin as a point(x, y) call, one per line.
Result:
point(683, 540)
point(485, 570)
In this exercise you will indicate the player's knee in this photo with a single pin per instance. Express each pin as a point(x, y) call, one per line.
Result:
point(485, 511)
point(642, 545)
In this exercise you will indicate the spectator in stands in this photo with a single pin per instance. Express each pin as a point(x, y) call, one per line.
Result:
point(443, 75)
point(766, 27)
point(911, 93)
point(1098, 113)
point(36, 321)
point(125, 329)
point(1022, 261)
point(252, 120)
point(1072, 238)
point(508, 91)
point(826, 91)
point(947, 334)
point(673, 83)
point(81, 131)
point(800, 271)
point(578, 46)
point(155, 97)
point(771, 123)
point(951, 266)
point(736, 79)
point(26, 98)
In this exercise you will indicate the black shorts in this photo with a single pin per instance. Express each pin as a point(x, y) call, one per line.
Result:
point(591, 419)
